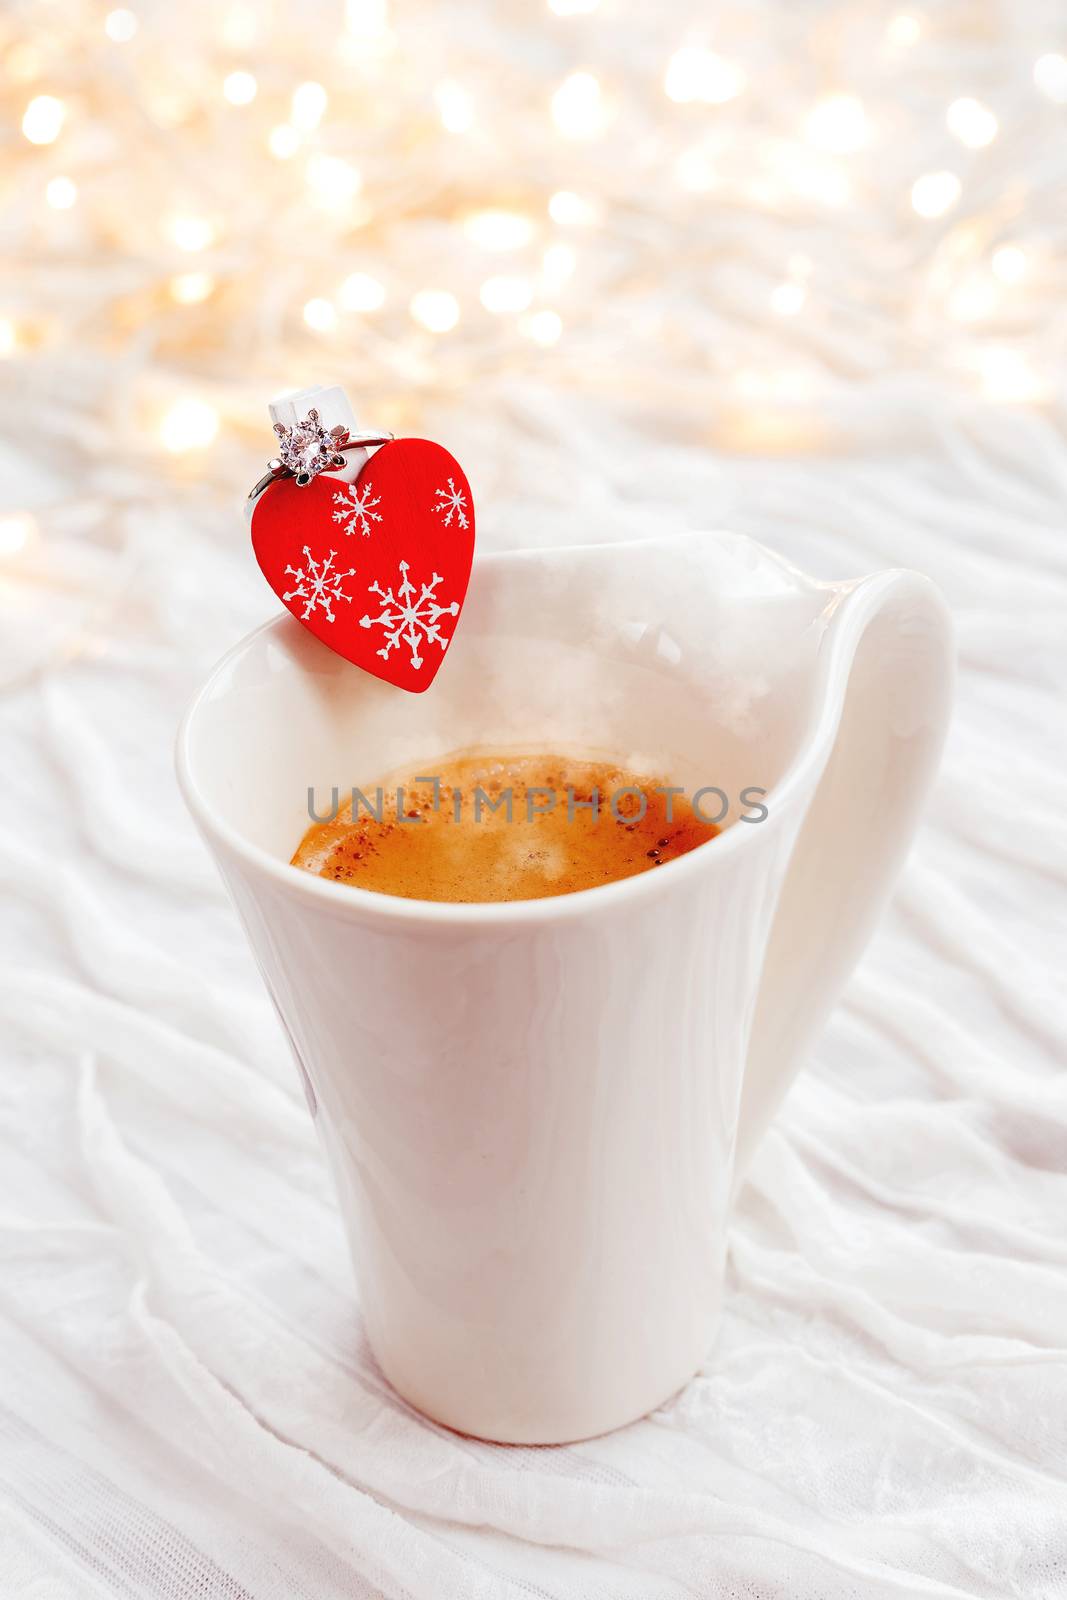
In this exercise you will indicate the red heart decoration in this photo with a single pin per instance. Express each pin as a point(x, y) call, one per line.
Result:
point(377, 569)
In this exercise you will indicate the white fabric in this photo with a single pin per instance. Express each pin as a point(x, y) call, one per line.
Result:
point(188, 1407)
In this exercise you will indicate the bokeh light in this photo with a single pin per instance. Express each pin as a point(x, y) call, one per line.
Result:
point(61, 193)
point(972, 123)
point(935, 193)
point(838, 124)
point(435, 309)
point(362, 292)
point(190, 288)
point(43, 119)
point(17, 530)
point(320, 314)
point(697, 74)
point(1010, 263)
point(543, 327)
point(120, 25)
point(191, 233)
point(308, 106)
point(1050, 75)
point(240, 88)
point(189, 424)
point(283, 141)
point(578, 106)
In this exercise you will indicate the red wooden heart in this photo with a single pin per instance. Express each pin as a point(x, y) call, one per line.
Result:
point(377, 569)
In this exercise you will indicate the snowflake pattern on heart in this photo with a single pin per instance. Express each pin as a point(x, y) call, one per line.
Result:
point(452, 502)
point(409, 616)
point(395, 608)
point(357, 509)
point(318, 585)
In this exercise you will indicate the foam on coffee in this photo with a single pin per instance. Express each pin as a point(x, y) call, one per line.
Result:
point(453, 840)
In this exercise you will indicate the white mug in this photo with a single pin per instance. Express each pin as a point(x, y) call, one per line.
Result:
point(537, 1113)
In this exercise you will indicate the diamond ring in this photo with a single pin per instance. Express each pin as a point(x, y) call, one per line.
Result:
point(315, 441)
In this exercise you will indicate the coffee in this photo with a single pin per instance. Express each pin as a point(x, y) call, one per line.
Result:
point(502, 827)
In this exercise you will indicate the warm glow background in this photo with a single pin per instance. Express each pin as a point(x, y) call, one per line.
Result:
point(768, 229)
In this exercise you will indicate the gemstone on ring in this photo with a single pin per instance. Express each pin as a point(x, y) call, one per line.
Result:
point(308, 448)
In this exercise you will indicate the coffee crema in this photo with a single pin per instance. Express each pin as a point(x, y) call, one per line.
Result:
point(570, 824)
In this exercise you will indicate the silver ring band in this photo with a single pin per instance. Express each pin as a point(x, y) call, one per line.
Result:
point(356, 441)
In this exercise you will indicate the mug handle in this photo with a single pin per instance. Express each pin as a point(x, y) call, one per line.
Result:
point(882, 701)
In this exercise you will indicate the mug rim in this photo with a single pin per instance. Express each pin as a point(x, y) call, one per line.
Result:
point(369, 904)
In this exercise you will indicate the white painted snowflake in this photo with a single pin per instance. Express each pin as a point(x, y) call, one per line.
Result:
point(319, 586)
point(409, 618)
point(453, 502)
point(357, 509)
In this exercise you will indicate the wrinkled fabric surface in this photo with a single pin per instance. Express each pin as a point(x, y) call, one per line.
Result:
point(188, 1406)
